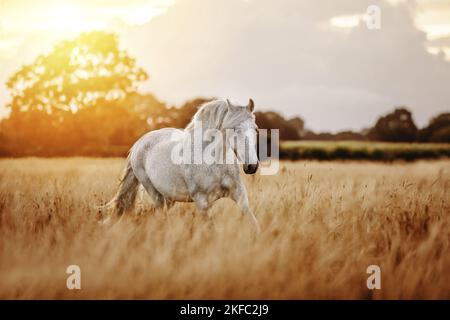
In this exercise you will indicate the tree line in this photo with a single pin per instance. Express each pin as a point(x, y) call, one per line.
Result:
point(82, 99)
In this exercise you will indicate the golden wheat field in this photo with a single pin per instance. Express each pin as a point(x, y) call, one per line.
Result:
point(323, 224)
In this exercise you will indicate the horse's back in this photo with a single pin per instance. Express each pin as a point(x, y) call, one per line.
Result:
point(144, 145)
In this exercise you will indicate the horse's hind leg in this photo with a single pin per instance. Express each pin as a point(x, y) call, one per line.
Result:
point(158, 199)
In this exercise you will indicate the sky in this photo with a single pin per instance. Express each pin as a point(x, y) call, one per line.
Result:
point(313, 59)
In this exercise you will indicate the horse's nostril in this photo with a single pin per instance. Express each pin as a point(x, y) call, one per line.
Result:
point(250, 168)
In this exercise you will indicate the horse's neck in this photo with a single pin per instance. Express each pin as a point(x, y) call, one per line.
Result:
point(198, 125)
point(197, 130)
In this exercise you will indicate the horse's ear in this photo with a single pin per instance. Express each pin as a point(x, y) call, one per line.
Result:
point(251, 105)
point(229, 103)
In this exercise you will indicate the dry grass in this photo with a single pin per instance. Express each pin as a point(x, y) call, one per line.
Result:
point(323, 224)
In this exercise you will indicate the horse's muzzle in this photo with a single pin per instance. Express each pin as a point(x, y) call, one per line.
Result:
point(250, 168)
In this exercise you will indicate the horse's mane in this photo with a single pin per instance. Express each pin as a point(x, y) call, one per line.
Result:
point(219, 114)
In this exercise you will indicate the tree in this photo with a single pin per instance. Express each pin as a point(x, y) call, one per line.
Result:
point(289, 129)
point(75, 75)
point(397, 126)
point(438, 130)
point(76, 97)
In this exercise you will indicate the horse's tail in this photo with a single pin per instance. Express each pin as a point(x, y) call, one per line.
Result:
point(128, 188)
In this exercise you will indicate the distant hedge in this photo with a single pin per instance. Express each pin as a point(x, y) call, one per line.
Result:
point(362, 151)
point(289, 150)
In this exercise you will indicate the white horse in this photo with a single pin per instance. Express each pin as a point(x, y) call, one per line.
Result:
point(150, 162)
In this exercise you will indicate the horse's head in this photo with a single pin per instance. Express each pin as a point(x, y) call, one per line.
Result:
point(245, 130)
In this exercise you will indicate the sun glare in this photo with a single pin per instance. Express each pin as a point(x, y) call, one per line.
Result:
point(67, 16)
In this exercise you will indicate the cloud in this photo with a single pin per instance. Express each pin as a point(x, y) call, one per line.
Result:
point(443, 41)
point(286, 56)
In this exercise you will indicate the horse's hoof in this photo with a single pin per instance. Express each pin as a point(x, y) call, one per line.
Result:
point(106, 222)
point(257, 228)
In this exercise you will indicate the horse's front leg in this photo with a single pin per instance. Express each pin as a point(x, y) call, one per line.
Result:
point(202, 203)
point(239, 194)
